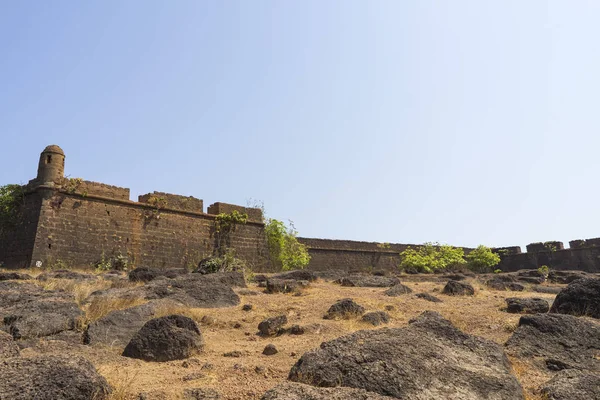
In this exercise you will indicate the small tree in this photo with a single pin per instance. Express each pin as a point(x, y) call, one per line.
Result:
point(431, 257)
point(11, 200)
point(284, 249)
point(482, 259)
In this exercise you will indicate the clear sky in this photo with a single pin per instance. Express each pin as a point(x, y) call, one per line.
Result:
point(463, 122)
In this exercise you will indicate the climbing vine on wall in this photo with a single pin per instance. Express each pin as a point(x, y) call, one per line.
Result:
point(225, 224)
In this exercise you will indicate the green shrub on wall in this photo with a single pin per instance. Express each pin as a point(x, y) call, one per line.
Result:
point(482, 259)
point(431, 257)
point(284, 249)
point(11, 200)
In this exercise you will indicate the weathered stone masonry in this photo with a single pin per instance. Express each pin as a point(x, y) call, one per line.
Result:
point(78, 223)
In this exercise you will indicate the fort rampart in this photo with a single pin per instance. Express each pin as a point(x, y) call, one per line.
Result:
point(77, 223)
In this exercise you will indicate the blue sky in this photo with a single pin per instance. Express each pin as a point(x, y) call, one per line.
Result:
point(463, 122)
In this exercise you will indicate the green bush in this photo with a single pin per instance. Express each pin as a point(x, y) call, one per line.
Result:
point(224, 263)
point(284, 249)
point(482, 259)
point(11, 199)
point(431, 257)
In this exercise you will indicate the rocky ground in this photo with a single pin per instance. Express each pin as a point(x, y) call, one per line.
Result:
point(171, 335)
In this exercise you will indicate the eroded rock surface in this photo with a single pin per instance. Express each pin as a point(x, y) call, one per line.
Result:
point(298, 391)
point(173, 337)
point(581, 297)
point(51, 377)
point(429, 359)
point(556, 341)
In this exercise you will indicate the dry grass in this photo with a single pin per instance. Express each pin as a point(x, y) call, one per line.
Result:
point(234, 329)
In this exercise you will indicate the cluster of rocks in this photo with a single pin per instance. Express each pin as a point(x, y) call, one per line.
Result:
point(428, 359)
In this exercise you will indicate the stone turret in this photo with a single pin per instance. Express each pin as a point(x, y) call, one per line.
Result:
point(51, 168)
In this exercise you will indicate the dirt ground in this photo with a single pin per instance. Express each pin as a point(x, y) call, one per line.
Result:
point(252, 373)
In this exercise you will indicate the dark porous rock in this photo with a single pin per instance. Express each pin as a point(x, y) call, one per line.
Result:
point(297, 330)
point(546, 289)
point(428, 359)
point(369, 281)
point(118, 327)
point(14, 276)
point(201, 394)
point(147, 274)
point(298, 275)
point(531, 273)
point(299, 391)
point(192, 292)
point(376, 318)
point(566, 277)
point(428, 297)
point(456, 288)
point(572, 384)
point(8, 346)
point(344, 309)
point(398, 290)
point(173, 337)
point(555, 340)
point(40, 317)
point(270, 350)
point(531, 279)
point(534, 305)
point(231, 278)
point(285, 286)
point(272, 326)
point(581, 297)
point(454, 277)
point(51, 377)
point(247, 307)
point(505, 282)
point(65, 274)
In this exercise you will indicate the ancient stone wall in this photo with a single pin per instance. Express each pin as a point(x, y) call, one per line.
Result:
point(582, 255)
point(348, 255)
point(79, 230)
point(16, 244)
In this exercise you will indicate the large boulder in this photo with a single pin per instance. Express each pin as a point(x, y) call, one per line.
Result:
point(556, 341)
point(8, 346)
point(428, 359)
point(456, 288)
point(193, 292)
point(147, 274)
point(581, 297)
point(369, 281)
point(566, 277)
point(173, 337)
point(572, 384)
point(51, 377)
point(33, 313)
point(521, 305)
point(344, 309)
point(298, 275)
point(118, 327)
point(497, 283)
point(298, 391)
point(398, 290)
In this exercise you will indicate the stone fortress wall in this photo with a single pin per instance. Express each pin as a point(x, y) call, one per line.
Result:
point(76, 223)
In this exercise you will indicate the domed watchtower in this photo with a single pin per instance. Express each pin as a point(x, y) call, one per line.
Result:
point(51, 168)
